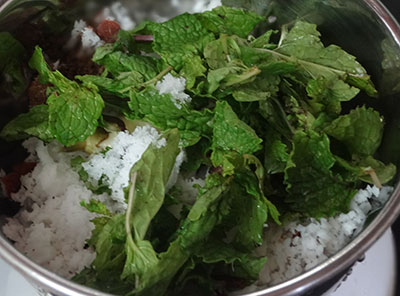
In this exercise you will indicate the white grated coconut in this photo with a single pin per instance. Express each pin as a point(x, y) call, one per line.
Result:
point(175, 86)
point(114, 165)
point(45, 229)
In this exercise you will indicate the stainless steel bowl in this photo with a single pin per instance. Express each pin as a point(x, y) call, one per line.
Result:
point(363, 27)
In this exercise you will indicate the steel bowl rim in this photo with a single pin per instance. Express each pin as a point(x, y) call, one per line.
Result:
point(323, 272)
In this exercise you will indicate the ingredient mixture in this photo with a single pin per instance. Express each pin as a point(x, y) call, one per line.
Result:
point(209, 152)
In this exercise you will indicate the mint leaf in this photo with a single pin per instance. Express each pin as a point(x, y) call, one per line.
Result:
point(276, 155)
point(74, 110)
point(313, 188)
point(231, 21)
point(250, 210)
point(361, 130)
point(302, 45)
point(368, 170)
point(179, 39)
point(385, 173)
point(195, 229)
point(263, 41)
point(153, 169)
point(264, 87)
point(215, 251)
point(327, 94)
point(95, 206)
point(110, 247)
point(119, 63)
point(111, 86)
point(303, 42)
point(230, 133)
point(161, 111)
point(34, 123)
point(222, 52)
point(192, 69)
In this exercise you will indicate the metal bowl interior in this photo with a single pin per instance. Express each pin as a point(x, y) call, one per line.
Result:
point(362, 27)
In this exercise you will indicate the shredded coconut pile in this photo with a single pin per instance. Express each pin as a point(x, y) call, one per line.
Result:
point(52, 228)
point(45, 229)
point(297, 247)
point(175, 86)
point(113, 167)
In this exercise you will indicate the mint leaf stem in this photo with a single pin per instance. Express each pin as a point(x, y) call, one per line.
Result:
point(159, 76)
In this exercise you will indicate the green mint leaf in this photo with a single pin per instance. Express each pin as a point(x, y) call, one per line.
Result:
point(95, 206)
point(273, 111)
point(192, 69)
point(193, 231)
point(108, 85)
point(153, 169)
point(179, 39)
point(303, 42)
point(34, 123)
point(303, 46)
point(327, 94)
point(361, 130)
point(74, 110)
point(231, 21)
point(120, 63)
point(264, 87)
point(222, 52)
point(263, 41)
point(276, 153)
point(215, 251)
point(208, 194)
point(369, 170)
point(384, 172)
point(161, 111)
point(230, 133)
point(313, 188)
point(250, 210)
point(110, 247)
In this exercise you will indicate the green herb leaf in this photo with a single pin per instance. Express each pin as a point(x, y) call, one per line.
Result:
point(95, 206)
point(327, 94)
point(303, 42)
point(193, 231)
point(153, 169)
point(179, 39)
point(312, 186)
point(74, 110)
point(230, 133)
point(161, 111)
point(34, 123)
point(360, 130)
point(231, 21)
point(216, 251)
